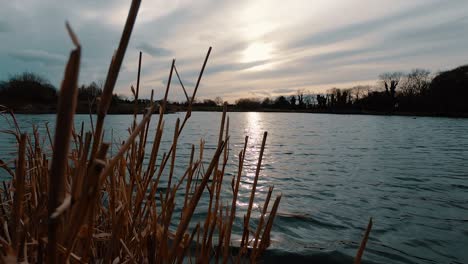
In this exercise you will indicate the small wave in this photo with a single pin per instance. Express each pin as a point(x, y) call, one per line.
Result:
point(332, 257)
point(459, 186)
point(398, 255)
point(306, 218)
point(410, 179)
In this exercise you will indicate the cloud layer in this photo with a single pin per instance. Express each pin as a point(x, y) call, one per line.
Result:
point(260, 48)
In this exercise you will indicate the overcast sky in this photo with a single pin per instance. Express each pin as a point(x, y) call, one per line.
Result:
point(260, 48)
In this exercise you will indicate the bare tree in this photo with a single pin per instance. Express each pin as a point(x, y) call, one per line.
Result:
point(360, 91)
point(340, 97)
point(218, 100)
point(309, 100)
point(300, 97)
point(416, 82)
point(391, 81)
point(292, 100)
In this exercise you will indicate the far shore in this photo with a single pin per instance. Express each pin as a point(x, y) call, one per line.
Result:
point(130, 110)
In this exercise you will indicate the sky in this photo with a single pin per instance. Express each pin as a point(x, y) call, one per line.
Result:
point(260, 48)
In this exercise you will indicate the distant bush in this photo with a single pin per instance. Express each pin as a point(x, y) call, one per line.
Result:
point(248, 103)
point(281, 102)
point(449, 90)
point(209, 102)
point(27, 88)
point(89, 92)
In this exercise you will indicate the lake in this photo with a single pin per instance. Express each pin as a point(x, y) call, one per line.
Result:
point(335, 171)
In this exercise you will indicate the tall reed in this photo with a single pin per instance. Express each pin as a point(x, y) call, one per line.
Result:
point(81, 204)
point(92, 207)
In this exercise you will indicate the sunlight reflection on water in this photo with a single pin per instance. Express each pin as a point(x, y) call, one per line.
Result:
point(334, 172)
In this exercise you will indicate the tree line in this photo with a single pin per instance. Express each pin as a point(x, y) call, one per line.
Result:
point(31, 93)
point(415, 91)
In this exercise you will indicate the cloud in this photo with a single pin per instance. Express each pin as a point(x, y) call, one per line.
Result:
point(39, 56)
point(4, 27)
point(153, 51)
point(234, 66)
point(451, 28)
point(359, 29)
point(282, 90)
point(313, 45)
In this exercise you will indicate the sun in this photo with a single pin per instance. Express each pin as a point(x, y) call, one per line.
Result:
point(257, 51)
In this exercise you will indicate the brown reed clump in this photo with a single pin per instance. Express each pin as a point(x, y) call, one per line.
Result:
point(83, 205)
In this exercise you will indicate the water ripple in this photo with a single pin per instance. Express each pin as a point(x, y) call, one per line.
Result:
point(334, 172)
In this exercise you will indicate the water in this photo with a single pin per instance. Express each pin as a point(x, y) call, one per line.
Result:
point(334, 172)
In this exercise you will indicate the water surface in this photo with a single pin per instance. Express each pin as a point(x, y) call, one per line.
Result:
point(334, 172)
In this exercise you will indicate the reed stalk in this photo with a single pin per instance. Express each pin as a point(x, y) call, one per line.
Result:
point(113, 73)
point(92, 206)
point(19, 192)
point(362, 246)
point(63, 132)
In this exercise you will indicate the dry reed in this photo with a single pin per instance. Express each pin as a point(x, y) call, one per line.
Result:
point(93, 207)
point(61, 214)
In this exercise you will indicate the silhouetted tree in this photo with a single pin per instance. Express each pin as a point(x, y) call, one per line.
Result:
point(300, 98)
point(391, 81)
point(339, 97)
point(416, 82)
point(219, 101)
point(360, 91)
point(322, 101)
point(292, 100)
point(375, 101)
point(309, 100)
point(248, 103)
point(267, 102)
point(281, 102)
point(448, 91)
point(209, 102)
point(27, 88)
point(89, 92)
point(117, 99)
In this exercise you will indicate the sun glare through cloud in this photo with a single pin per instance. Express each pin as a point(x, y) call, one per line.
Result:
point(290, 45)
point(272, 130)
point(257, 51)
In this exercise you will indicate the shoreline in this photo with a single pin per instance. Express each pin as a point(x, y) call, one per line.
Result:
point(344, 112)
point(304, 111)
